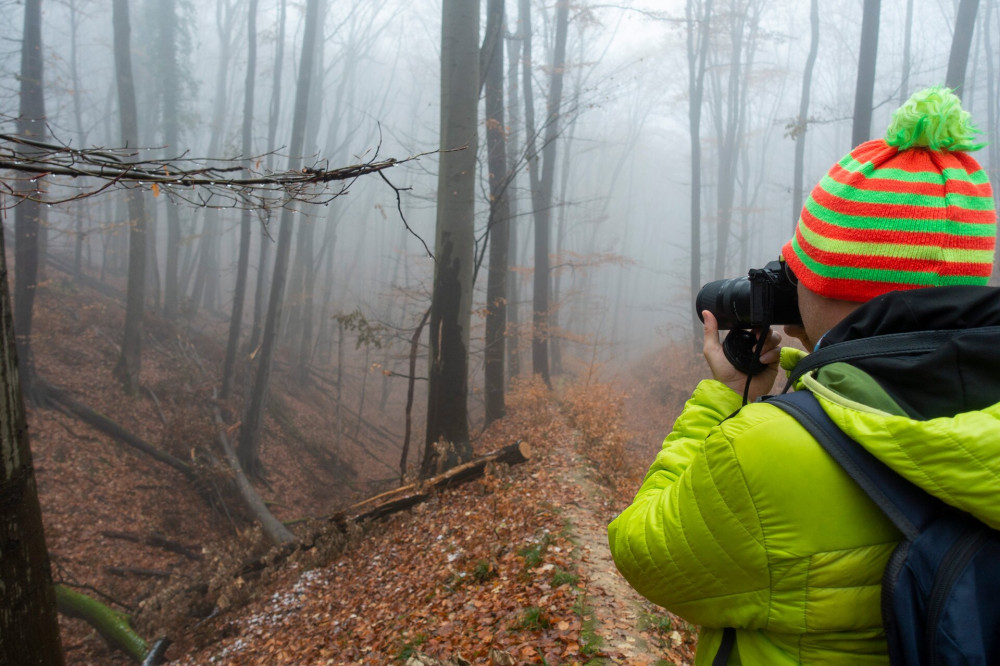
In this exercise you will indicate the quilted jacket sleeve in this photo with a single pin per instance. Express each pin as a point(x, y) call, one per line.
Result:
point(691, 541)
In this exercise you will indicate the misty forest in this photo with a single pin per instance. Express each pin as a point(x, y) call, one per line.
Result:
point(336, 332)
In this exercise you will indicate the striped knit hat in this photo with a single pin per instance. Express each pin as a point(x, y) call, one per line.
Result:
point(911, 210)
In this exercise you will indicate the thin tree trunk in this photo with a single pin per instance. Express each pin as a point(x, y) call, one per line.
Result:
point(542, 193)
point(904, 86)
point(965, 24)
point(697, 53)
point(802, 125)
point(249, 450)
point(496, 286)
point(865, 91)
point(127, 369)
point(170, 81)
point(514, 47)
point(242, 266)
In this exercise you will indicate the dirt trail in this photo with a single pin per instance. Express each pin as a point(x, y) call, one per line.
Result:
point(634, 631)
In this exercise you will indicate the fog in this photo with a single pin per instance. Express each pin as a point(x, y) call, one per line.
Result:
point(621, 236)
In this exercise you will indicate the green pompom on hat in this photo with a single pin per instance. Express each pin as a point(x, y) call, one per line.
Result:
point(911, 210)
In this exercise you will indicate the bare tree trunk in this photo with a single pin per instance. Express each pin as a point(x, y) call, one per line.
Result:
point(802, 124)
point(81, 135)
point(496, 285)
point(170, 81)
point(242, 266)
point(29, 630)
point(29, 215)
point(451, 299)
point(961, 40)
point(864, 93)
point(514, 48)
point(542, 185)
point(127, 369)
point(697, 53)
point(249, 450)
point(272, 128)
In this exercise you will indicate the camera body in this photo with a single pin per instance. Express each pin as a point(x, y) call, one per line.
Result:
point(764, 297)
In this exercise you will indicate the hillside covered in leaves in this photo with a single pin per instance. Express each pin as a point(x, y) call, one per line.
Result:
point(510, 568)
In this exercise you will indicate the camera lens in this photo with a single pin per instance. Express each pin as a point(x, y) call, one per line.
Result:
point(728, 300)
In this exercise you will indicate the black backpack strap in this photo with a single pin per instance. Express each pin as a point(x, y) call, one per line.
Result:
point(894, 344)
point(906, 505)
point(725, 647)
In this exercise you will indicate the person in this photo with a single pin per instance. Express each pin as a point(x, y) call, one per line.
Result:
point(743, 521)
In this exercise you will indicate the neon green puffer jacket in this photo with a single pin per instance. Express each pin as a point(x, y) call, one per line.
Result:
point(747, 522)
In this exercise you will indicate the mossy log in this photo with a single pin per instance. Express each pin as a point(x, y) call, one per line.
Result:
point(112, 625)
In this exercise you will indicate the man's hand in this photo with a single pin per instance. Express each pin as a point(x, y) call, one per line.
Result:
point(722, 369)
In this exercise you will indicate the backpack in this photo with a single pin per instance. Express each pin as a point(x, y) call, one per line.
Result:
point(941, 586)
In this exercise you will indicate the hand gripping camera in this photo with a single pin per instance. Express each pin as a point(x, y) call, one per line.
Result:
point(764, 297)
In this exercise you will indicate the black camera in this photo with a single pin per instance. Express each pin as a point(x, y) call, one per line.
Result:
point(764, 297)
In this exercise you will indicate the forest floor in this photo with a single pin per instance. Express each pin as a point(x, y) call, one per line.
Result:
point(512, 568)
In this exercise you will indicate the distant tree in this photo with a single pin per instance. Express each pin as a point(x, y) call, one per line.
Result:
point(451, 296)
point(729, 115)
point(904, 86)
point(272, 130)
point(29, 216)
point(249, 450)
point(499, 219)
point(169, 81)
point(698, 16)
point(865, 91)
point(127, 369)
point(961, 41)
point(515, 43)
point(802, 122)
point(541, 170)
point(242, 265)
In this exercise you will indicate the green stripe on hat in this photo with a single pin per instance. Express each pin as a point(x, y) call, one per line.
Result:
point(856, 194)
point(850, 221)
point(874, 273)
point(915, 251)
point(978, 177)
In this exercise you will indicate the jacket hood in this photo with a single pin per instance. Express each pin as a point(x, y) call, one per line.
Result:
point(938, 422)
point(961, 375)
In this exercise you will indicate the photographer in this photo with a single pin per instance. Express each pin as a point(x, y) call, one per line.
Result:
point(744, 522)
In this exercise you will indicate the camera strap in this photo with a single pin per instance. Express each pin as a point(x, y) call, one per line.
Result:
point(893, 344)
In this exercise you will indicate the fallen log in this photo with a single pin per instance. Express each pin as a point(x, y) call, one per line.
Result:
point(109, 623)
point(137, 571)
point(107, 426)
point(410, 495)
point(155, 539)
point(397, 500)
point(273, 528)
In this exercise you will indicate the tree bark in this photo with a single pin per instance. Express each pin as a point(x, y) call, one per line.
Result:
point(697, 53)
point(29, 630)
point(29, 215)
point(802, 124)
point(127, 369)
point(961, 40)
point(242, 266)
point(170, 82)
point(255, 407)
point(542, 186)
point(514, 46)
point(451, 297)
point(496, 283)
point(865, 90)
